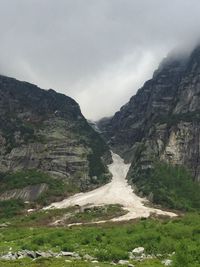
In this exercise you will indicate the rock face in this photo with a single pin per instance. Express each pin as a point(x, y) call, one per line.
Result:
point(163, 119)
point(28, 193)
point(46, 131)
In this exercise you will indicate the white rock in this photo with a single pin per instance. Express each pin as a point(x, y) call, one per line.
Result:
point(88, 257)
point(167, 262)
point(66, 254)
point(139, 250)
point(9, 256)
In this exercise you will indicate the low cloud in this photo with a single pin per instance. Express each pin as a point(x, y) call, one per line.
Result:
point(98, 52)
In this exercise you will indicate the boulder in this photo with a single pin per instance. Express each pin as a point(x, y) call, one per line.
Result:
point(138, 250)
point(88, 257)
point(167, 262)
point(9, 256)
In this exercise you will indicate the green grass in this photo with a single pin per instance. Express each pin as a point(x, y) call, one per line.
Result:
point(11, 208)
point(98, 213)
point(112, 241)
point(57, 188)
point(63, 263)
point(170, 186)
point(21, 179)
point(52, 263)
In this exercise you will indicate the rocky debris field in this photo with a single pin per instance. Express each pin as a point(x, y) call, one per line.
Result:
point(136, 255)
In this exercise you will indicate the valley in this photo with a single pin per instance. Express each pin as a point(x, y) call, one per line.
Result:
point(118, 191)
point(79, 193)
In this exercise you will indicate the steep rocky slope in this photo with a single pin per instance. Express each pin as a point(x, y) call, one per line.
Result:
point(45, 131)
point(162, 121)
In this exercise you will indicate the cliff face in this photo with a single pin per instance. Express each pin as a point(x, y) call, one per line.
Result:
point(162, 121)
point(46, 131)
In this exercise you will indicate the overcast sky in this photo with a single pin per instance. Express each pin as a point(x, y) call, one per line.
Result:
point(96, 51)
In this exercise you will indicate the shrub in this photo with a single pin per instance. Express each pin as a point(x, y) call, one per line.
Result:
point(10, 208)
point(171, 186)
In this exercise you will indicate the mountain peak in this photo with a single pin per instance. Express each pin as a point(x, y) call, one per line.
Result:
point(162, 113)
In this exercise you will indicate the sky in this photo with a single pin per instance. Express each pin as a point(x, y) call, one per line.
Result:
point(100, 52)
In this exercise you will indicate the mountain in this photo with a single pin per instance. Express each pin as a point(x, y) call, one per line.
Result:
point(47, 147)
point(158, 130)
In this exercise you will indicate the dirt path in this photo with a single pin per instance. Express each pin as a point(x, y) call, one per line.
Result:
point(116, 192)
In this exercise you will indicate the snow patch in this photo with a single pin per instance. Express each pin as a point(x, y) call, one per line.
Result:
point(118, 191)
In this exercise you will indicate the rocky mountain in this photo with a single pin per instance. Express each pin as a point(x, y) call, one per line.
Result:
point(45, 132)
point(162, 121)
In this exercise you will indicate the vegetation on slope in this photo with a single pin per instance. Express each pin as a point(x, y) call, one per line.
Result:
point(11, 208)
point(57, 188)
point(168, 185)
point(99, 155)
point(174, 119)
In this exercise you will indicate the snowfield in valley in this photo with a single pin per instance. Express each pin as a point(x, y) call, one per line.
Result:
point(118, 191)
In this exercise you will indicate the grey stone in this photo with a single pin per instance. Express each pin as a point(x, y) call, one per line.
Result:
point(138, 250)
point(167, 262)
point(9, 256)
point(44, 254)
point(88, 257)
point(30, 254)
point(66, 254)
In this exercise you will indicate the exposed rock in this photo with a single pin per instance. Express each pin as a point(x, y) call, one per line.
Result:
point(44, 254)
point(66, 254)
point(37, 254)
point(45, 130)
point(3, 225)
point(9, 256)
point(163, 118)
point(30, 192)
point(167, 262)
point(88, 257)
point(138, 251)
point(30, 254)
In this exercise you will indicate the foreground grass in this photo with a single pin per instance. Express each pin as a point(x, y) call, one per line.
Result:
point(50, 263)
point(65, 263)
point(112, 242)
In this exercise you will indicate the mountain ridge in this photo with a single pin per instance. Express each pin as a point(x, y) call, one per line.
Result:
point(160, 127)
point(45, 131)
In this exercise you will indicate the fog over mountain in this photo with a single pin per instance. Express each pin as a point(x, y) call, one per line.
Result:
point(98, 52)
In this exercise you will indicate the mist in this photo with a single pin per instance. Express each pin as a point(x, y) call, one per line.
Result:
point(98, 52)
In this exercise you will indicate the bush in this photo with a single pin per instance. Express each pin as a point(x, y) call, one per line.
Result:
point(21, 179)
point(11, 208)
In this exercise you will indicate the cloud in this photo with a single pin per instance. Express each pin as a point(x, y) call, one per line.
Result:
point(99, 52)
